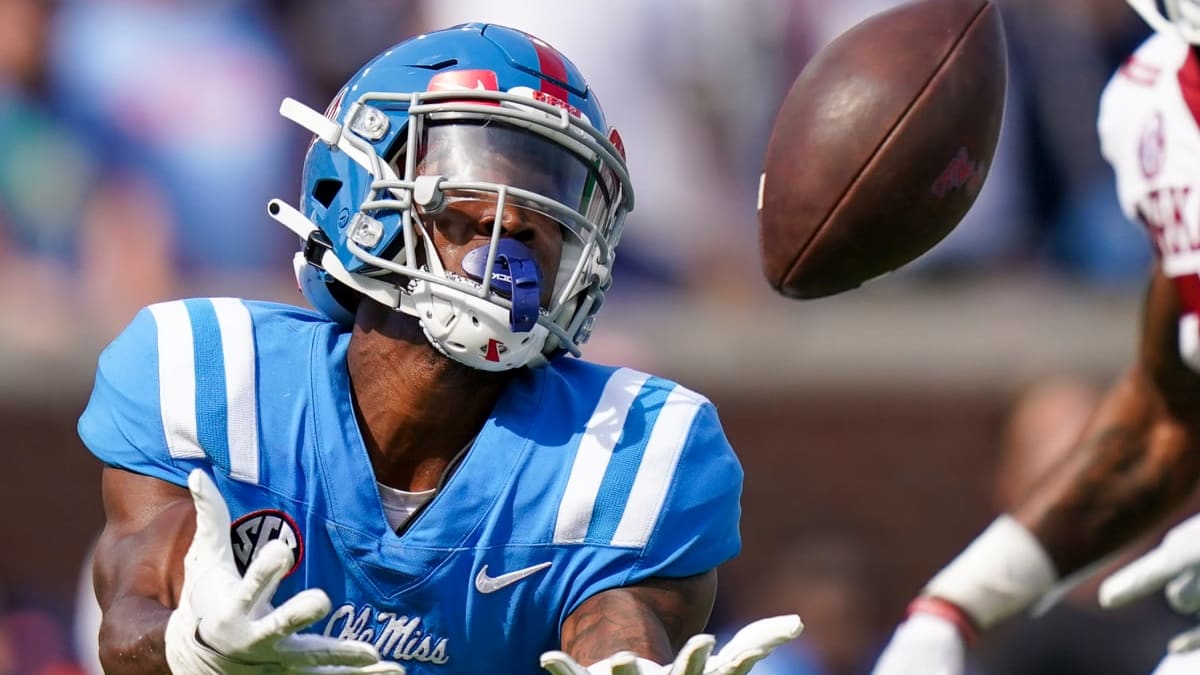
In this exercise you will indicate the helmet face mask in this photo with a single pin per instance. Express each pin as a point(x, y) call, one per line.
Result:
point(1179, 17)
point(527, 163)
point(405, 145)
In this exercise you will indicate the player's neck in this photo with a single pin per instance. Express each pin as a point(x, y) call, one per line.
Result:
point(416, 408)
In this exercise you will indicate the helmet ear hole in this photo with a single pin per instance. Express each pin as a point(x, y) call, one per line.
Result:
point(326, 190)
point(329, 297)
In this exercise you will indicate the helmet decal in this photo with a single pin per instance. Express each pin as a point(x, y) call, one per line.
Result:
point(460, 80)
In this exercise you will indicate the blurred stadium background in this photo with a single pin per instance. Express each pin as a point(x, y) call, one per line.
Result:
point(879, 430)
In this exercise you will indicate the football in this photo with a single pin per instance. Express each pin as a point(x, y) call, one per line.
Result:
point(881, 145)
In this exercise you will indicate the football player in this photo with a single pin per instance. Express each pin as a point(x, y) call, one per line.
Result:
point(418, 473)
point(1140, 455)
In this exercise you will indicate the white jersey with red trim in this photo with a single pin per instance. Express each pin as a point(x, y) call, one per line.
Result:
point(1150, 133)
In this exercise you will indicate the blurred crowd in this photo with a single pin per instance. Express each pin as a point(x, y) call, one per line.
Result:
point(142, 140)
point(142, 143)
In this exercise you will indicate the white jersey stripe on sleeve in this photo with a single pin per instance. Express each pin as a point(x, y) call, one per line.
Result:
point(601, 435)
point(177, 379)
point(657, 470)
point(237, 346)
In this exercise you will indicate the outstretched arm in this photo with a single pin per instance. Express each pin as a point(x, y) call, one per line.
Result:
point(652, 619)
point(644, 629)
point(138, 568)
point(207, 619)
point(1138, 458)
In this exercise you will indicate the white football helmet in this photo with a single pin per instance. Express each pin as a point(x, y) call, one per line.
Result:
point(1181, 17)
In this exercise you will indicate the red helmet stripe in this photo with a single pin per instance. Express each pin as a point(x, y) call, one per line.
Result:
point(551, 64)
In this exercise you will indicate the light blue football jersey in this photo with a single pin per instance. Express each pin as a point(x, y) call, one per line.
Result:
point(584, 478)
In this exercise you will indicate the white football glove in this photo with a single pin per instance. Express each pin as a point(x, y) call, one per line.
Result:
point(1179, 664)
point(1173, 564)
point(925, 644)
point(746, 648)
point(225, 625)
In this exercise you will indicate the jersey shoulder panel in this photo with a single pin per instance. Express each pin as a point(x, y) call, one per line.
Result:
point(1136, 83)
point(1141, 104)
point(121, 424)
point(646, 484)
point(652, 471)
point(698, 525)
point(180, 387)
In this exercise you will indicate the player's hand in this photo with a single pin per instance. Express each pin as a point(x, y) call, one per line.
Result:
point(925, 644)
point(225, 624)
point(1179, 664)
point(746, 648)
point(1173, 564)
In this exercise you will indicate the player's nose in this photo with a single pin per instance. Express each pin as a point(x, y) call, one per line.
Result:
point(514, 222)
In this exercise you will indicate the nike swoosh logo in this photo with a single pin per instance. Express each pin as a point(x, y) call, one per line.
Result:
point(486, 584)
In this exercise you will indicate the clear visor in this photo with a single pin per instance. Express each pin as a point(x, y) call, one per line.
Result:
point(491, 152)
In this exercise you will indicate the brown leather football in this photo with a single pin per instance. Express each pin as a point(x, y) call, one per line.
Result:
point(881, 145)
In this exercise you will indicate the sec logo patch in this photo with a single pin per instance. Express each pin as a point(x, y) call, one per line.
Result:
point(252, 531)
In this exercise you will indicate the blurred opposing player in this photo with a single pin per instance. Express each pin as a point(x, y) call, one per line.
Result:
point(417, 472)
point(1140, 455)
